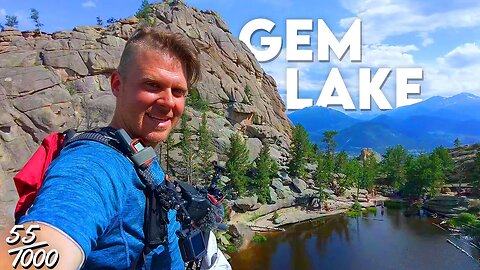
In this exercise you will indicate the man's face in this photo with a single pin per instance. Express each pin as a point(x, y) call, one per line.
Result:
point(150, 96)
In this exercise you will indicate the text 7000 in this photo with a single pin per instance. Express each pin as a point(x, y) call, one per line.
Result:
point(31, 253)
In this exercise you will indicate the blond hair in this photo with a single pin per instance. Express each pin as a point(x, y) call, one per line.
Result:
point(147, 37)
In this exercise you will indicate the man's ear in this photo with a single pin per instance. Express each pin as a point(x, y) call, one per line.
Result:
point(115, 83)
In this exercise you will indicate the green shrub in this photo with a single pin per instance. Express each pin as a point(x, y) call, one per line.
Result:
point(71, 88)
point(353, 214)
point(258, 238)
point(394, 204)
point(356, 206)
point(464, 219)
point(254, 217)
point(371, 209)
point(230, 249)
point(195, 101)
point(276, 215)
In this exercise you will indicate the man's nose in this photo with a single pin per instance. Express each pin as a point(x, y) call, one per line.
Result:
point(165, 98)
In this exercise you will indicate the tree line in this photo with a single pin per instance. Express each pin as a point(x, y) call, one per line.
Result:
point(410, 176)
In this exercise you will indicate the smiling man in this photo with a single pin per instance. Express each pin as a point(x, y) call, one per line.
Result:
point(91, 205)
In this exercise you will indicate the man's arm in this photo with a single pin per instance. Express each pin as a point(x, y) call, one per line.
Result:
point(71, 256)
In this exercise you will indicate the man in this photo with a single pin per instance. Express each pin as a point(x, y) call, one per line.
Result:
point(91, 204)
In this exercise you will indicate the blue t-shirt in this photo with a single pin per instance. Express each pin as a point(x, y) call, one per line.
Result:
point(92, 193)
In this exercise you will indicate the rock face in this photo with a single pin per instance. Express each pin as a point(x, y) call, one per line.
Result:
point(464, 158)
point(57, 81)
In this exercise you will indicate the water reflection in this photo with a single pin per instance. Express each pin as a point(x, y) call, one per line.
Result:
point(391, 241)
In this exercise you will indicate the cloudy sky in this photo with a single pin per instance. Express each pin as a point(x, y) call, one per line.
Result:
point(440, 36)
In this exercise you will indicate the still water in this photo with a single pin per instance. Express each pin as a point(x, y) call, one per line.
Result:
point(391, 241)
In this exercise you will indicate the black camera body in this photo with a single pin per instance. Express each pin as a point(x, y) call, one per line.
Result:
point(198, 208)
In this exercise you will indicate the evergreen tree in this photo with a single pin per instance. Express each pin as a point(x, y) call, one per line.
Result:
point(238, 164)
point(205, 148)
point(394, 166)
point(369, 173)
point(446, 159)
point(168, 149)
point(329, 141)
point(11, 21)
point(187, 149)
point(298, 151)
point(144, 12)
point(248, 93)
point(424, 176)
point(195, 101)
point(353, 173)
point(438, 176)
point(457, 142)
point(99, 21)
point(341, 161)
point(111, 20)
point(266, 168)
point(322, 174)
point(34, 15)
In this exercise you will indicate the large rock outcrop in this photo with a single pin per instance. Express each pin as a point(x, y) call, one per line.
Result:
point(51, 82)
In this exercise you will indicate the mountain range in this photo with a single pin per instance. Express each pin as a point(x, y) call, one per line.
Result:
point(420, 127)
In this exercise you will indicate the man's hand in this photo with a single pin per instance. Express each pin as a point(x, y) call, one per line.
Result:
point(70, 254)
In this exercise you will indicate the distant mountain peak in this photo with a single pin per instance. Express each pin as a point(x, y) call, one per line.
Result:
point(465, 95)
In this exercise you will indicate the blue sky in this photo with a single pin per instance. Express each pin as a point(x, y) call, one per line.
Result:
point(440, 36)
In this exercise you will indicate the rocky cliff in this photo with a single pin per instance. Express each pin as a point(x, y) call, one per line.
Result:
point(464, 158)
point(51, 82)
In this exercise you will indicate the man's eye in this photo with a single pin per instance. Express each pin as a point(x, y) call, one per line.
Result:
point(151, 84)
point(179, 92)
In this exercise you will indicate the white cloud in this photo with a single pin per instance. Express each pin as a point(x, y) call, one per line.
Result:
point(385, 18)
point(3, 12)
point(88, 4)
point(426, 40)
point(455, 72)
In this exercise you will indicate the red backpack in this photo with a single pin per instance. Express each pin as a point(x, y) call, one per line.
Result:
point(30, 178)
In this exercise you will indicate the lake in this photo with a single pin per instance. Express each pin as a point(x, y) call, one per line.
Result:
point(389, 241)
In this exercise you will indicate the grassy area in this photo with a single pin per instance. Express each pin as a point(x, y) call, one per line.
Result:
point(258, 238)
point(467, 222)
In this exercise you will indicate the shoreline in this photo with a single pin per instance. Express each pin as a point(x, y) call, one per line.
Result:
point(293, 215)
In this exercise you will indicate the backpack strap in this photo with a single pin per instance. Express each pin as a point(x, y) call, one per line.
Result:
point(156, 221)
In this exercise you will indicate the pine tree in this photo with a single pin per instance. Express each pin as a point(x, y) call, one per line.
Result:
point(329, 141)
point(186, 147)
point(205, 148)
point(394, 165)
point(111, 20)
point(99, 21)
point(168, 149)
point(238, 164)
point(353, 174)
point(457, 142)
point(144, 12)
point(11, 21)
point(248, 93)
point(340, 161)
point(445, 158)
point(265, 170)
point(34, 15)
point(298, 151)
point(322, 174)
point(369, 172)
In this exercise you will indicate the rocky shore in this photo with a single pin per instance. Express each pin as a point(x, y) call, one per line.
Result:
point(291, 210)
